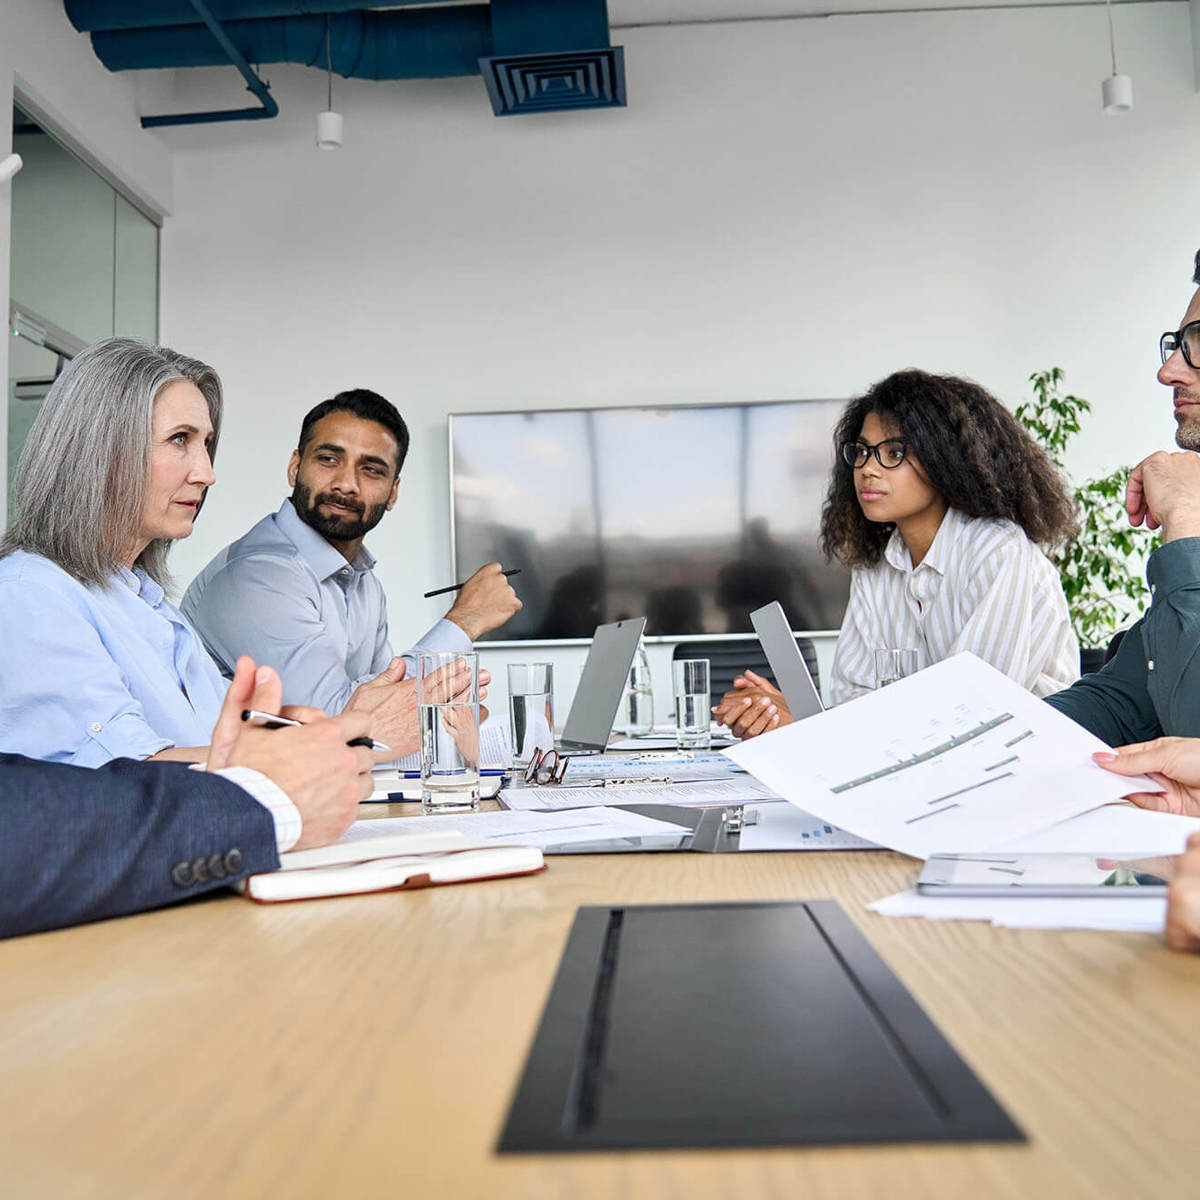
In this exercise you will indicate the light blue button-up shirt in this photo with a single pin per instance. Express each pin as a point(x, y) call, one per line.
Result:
point(287, 597)
point(92, 674)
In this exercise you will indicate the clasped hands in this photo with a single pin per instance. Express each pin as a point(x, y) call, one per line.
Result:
point(390, 699)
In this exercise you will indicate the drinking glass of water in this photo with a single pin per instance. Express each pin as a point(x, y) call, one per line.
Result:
point(692, 712)
point(639, 696)
point(448, 711)
point(893, 665)
point(530, 709)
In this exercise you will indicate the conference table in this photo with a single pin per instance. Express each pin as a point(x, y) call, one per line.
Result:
point(369, 1046)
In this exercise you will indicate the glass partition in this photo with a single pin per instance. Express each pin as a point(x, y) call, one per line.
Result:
point(84, 266)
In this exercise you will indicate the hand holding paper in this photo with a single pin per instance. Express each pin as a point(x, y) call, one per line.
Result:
point(1172, 762)
point(956, 758)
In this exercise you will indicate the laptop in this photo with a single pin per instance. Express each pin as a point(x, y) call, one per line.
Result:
point(601, 686)
point(786, 661)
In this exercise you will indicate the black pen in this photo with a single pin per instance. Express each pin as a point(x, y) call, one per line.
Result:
point(455, 586)
point(271, 721)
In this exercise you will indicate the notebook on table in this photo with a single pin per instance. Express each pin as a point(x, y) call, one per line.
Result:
point(360, 862)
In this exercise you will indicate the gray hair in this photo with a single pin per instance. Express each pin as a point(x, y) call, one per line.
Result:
point(81, 482)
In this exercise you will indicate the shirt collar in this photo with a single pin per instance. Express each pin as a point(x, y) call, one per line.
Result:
point(138, 582)
point(938, 555)
point(321, 555)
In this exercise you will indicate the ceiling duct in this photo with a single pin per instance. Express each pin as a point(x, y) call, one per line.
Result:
point(550, 56)
point(535, 55)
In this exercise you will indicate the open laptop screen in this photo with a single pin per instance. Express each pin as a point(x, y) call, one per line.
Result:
point(602, 684)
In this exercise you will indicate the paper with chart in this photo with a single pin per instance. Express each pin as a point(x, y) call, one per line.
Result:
point(955, 758)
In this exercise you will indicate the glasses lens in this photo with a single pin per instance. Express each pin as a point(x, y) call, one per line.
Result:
point(1167, 345)
point(854, 453)
point(1190, 336)
point(891, 453)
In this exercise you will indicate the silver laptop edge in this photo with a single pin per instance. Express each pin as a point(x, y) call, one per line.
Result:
point(601, 685)
point(787, 663)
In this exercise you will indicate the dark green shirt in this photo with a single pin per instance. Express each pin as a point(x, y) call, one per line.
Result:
point(1151, 688)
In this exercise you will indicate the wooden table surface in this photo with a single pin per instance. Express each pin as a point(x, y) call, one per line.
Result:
point(369, 1046)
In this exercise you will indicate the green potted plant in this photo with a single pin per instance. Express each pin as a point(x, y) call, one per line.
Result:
point(1101, 568)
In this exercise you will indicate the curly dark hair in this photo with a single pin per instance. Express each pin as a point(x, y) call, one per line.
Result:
point(971, 448)
point(1196, 276)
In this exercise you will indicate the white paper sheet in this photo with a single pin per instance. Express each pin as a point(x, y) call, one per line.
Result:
point(1139, 914)
point(673, 764)
point(955, 758)
point(785, 827)
point(533, 828)
point(738, 789)
point(1113, 829)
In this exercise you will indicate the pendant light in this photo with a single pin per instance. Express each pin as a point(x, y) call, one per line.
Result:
point(329, 123)
point(1117, 90)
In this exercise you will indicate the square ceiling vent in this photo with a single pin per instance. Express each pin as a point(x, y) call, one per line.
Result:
point(528, 83)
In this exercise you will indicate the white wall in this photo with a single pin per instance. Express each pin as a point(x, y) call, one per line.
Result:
point(785, 209)
point(54, 70)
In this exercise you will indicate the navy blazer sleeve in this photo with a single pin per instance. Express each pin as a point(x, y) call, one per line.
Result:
point(78, 844)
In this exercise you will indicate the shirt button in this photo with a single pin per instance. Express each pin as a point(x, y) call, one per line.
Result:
point(181, 875)
point(1150, 664)
point(1152, 587)
point(95, 726)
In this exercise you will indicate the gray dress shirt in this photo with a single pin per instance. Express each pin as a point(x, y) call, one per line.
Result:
point(286, 597)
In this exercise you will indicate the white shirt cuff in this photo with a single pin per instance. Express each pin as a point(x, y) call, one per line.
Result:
point(288, 822)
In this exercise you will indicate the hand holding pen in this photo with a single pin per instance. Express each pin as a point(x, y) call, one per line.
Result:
point(274, 721)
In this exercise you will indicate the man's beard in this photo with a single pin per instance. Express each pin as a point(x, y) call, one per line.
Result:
point(1187, 421)
point(337, 529)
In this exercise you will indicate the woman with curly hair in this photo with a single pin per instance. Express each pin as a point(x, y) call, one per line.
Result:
point(939, 503)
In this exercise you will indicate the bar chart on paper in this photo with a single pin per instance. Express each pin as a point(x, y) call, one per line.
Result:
point(955, 758)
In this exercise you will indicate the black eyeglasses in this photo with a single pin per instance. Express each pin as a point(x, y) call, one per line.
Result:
point(889, 453)
point(1185, 340)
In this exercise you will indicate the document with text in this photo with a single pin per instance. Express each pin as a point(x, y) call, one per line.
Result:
point(955, 758)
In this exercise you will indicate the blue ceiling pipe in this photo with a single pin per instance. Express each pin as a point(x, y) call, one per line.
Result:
point(554, 51)
point(419, 43)
point(269, 108)
point(88, 16)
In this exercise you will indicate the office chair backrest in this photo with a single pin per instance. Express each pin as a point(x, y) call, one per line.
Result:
point(727, 658)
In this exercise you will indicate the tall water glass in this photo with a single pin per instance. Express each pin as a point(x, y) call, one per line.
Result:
point(530, 709)
point(692, 712)
point(448, 711)
point(893, 665)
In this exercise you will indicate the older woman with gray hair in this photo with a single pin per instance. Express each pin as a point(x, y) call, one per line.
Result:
point(96, 663)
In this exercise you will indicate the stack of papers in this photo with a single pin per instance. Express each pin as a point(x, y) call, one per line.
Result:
point(529, 828)
point(738, 789)
point(959, 759)
point(1139, 914)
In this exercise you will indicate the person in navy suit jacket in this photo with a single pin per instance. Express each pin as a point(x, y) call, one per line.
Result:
point(80, 844)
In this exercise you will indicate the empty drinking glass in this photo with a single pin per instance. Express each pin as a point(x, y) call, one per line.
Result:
point(448, 712)
point(893, 665)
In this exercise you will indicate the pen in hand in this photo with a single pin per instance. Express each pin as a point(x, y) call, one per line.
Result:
point(272, 721)
point(455, 586)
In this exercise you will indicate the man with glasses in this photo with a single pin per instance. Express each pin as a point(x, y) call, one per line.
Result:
point(1152, 685)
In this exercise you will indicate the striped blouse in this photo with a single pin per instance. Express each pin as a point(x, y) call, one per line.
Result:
point(983, 586)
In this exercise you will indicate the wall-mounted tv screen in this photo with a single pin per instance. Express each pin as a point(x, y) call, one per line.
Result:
point(689, 516)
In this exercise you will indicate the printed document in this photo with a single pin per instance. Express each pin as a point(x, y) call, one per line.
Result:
point(737, 789)
point(528, 828)
point(955, 758)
